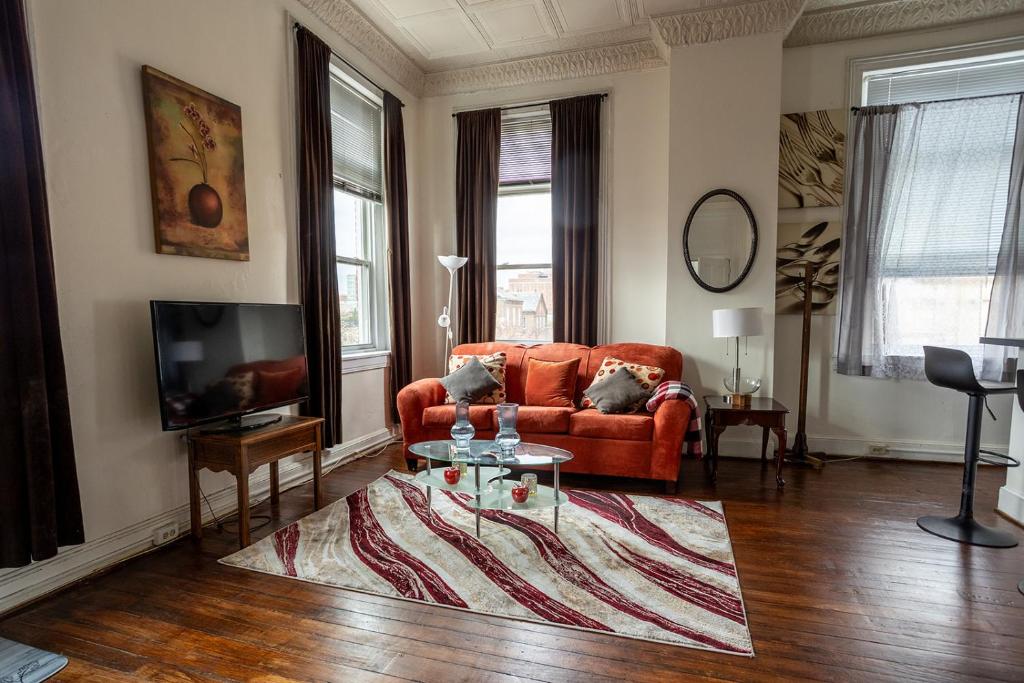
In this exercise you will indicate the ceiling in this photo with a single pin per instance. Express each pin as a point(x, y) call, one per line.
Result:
point(435, 47)
point(447, 34)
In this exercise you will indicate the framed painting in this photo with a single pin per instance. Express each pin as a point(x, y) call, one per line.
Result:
point(196, 171)
point(812, 153)
point(814, 244)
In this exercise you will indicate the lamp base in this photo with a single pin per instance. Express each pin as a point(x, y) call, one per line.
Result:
point(738, 400)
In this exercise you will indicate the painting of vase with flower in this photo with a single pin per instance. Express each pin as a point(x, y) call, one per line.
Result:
point(196, 170)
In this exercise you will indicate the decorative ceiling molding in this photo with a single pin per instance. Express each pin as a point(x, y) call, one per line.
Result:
point(350, 24)
point(715, 23)
point(635, 56)
point(893, 16)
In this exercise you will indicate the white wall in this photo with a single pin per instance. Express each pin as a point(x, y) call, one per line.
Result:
point(636, 114)
point(845, 414)
point(723, 134)
point(87, 59)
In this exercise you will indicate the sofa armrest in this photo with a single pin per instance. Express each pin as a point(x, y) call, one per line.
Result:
point(413, 399)
point(670, 423)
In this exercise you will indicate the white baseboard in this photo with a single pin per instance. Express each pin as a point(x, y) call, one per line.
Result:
point(1011, 504)
point(917, 451)
point(18, 586)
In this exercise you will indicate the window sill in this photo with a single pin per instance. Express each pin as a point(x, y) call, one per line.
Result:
point(363, 361)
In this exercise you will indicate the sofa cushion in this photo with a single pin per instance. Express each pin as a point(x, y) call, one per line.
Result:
point(540, 420)
point(618, 393)
point(551, 383)
point(595, 425)
point(470, 383)
point(494, 363)
point(646, 377)
point(481, 417)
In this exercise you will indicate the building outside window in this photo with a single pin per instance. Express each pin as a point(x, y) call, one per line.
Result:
point(359, 228)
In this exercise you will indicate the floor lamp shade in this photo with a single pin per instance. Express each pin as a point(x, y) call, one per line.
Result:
point(737, 322)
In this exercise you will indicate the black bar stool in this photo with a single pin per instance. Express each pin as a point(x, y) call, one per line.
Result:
point(952, 369)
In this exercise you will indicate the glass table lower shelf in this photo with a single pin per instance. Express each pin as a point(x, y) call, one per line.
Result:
point(484, 479)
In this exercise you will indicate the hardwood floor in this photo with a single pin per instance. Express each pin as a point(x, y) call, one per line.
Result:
point(839, 584)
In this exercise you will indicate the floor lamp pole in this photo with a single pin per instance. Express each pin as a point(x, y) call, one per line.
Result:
point(800, 453)
point(449, 344)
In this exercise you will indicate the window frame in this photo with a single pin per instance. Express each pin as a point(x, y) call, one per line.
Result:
point(374, 238)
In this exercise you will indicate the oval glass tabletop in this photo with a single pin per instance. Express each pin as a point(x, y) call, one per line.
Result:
point(487, 452)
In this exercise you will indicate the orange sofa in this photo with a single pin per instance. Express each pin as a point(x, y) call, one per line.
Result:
point(643, 445)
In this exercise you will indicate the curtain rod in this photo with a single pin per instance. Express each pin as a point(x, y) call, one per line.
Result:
point(296, 26)
point(954, 99)
point(603, 95)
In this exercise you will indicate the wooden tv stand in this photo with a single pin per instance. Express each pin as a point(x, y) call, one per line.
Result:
point(242, 452)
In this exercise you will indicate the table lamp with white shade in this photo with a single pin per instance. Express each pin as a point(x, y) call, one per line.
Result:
point(445, 320)
point(738, 322)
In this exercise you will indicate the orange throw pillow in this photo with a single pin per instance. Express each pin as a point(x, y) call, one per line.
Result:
point(551, 384)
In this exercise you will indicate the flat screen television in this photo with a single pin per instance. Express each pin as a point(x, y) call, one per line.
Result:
point(222, 361)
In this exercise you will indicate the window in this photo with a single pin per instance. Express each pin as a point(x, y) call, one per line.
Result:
point(944, 203)
point(359, 231)
point(523, 308)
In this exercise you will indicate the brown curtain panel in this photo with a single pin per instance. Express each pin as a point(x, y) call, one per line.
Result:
point(397, 197)
point(476, 219)
point(39, 505)
point(575, 182)
point(318, 274)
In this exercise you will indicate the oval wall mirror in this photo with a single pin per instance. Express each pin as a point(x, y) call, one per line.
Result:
point(720, 240)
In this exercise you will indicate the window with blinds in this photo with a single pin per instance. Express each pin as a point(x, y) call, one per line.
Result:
point(356, 140)
point(975, 77)
point(945, 201)
point(360, 238)
point(525, 148)
point(524, 303)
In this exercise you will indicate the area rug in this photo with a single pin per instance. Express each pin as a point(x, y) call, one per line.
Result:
point(658, 569)
point(25, 664)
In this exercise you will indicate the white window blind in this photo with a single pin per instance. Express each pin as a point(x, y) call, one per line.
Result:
point(356, 141)
point(525, 148)
point(947, 80)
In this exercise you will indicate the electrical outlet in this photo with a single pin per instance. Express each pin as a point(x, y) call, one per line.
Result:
point(165, 533)
point(878, 449)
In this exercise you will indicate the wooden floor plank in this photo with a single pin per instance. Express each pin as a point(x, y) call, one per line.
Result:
point(838, 582)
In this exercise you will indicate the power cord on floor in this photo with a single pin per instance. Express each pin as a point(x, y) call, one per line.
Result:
point(390, 442)
point(221, 524)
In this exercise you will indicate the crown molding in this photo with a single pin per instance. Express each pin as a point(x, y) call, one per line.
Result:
point(634, 56)
point(349, 23)
point(893, 16)
point(712, 24)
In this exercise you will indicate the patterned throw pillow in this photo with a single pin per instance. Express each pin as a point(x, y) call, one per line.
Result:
point(647, 376)
point(495, 365)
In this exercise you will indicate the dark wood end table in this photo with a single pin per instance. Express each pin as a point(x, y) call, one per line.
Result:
point(763, 412)
point(242, 452)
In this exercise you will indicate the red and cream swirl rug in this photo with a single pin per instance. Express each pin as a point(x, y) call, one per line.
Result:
point(658, 569)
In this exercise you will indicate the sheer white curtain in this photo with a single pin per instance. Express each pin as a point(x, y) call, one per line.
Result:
point(930, 272)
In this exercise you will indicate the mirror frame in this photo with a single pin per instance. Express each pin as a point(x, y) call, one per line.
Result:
point(753, 240)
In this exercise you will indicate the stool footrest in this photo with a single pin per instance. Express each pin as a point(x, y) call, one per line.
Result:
point(998, 459)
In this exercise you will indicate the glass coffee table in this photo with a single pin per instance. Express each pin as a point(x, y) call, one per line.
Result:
point(487, 484)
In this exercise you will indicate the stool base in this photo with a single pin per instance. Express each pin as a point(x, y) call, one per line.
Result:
point(966, 530)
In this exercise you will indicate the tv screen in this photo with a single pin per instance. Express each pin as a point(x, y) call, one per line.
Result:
point(217, 360)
